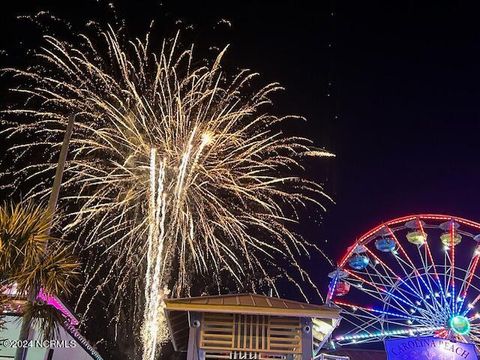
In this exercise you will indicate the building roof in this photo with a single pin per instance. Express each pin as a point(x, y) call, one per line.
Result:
point(251, 304)
point(177, 310)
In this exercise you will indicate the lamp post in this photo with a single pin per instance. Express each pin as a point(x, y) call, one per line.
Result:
point(52, 204)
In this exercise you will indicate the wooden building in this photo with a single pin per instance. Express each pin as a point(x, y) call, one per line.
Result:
point(248, 326)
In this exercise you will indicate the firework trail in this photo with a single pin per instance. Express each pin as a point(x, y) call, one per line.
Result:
point(175, 169)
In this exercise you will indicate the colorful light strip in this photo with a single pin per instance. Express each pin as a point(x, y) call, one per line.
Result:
point(470, 276)
point(452, 265)
point(388, 333)
point(429, 253)
point(469, 279)
point(331, 288)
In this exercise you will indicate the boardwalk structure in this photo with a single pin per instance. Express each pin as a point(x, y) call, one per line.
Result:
point(248, 326)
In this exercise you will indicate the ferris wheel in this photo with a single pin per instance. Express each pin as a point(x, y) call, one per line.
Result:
point(411, 276)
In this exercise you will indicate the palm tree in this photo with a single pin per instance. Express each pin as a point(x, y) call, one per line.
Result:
point(31, 259)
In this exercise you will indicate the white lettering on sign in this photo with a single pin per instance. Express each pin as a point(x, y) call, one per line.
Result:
point(429, 348)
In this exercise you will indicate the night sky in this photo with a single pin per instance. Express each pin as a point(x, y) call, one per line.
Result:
point(391, 87)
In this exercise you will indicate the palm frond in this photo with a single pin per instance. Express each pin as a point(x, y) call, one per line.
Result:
point(24, 235)
point(44, 318)
point(54, 274)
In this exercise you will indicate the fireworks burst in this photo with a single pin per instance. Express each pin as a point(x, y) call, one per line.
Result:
point(175, 170)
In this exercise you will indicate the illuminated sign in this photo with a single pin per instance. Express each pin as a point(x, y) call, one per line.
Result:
point(428, 348)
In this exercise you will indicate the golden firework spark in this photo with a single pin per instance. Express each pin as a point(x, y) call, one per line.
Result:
point(174, 169)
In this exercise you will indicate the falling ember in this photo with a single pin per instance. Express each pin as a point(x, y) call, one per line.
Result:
point(156, 233)
point(175, 171)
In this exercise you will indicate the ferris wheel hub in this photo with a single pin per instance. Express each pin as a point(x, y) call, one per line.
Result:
point(460, 325)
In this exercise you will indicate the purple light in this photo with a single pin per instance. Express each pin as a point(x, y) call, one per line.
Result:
point(57, 304)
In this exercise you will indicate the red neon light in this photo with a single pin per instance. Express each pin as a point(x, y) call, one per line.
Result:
point(404, 219)
point(427, 246)
point(381, 262)
point(470, 276)
point(352, 306)
point(415, 270)
point(452, 255)
point(365, 281)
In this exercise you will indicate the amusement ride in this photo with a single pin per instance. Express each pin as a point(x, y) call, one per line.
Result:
point(411, 276)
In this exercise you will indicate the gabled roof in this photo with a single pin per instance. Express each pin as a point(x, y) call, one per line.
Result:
point(251, 304)
point(176, 311)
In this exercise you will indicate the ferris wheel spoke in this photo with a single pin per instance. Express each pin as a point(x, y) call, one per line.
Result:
point(362, 331)
point(382, 298)
point(449, 295)
point(380, 290)
point(407, 262)
point(467, 280)
point(471, 305)
point(372, 319)
point(413, 285)
point(361, 323)
point(372, 311)
point(437, 280)
point(388, 284)
point(474, 338)
point(475, 333)
point(393, 277)
point(452, 265)
point(381, 335)
point(386, 291)
point(430, 282)
point(383, 277)
point(375, 276)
